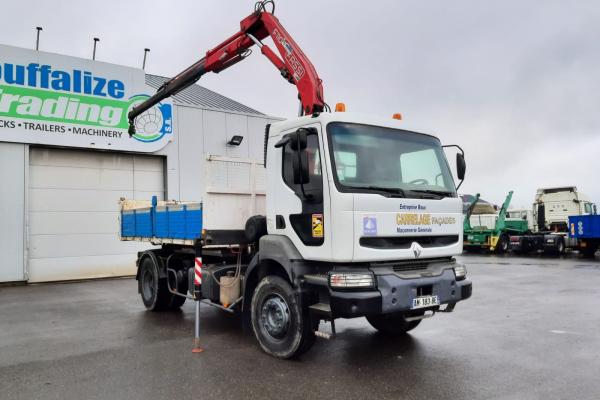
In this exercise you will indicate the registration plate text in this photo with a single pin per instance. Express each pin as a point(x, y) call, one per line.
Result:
point(425, 301)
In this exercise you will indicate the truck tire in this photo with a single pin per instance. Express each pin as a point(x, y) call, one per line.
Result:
point(281, 325)
point(560, 247)
point(153, 289)
point(392, 324)
point(589, 252)
point(502, 245)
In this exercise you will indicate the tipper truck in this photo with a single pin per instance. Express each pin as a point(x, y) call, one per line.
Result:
point(491, 231)
point(347, 216)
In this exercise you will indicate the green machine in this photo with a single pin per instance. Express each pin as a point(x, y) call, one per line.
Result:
point(493, 232)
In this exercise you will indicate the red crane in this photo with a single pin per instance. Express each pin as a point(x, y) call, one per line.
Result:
point(293, 65)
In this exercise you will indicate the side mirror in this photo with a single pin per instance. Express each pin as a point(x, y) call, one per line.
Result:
point(461, 166)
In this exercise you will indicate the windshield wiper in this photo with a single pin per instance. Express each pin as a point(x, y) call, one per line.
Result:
point(440, 193)
point(395, 191)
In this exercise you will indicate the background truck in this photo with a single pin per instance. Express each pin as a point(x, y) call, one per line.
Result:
point(586, 230)
point(490, 231)
point(347, 216)
point(550, 218)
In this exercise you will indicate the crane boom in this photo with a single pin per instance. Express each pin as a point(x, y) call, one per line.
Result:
point(293, 65)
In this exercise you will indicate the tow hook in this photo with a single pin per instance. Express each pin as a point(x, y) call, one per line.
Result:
point(449, 307)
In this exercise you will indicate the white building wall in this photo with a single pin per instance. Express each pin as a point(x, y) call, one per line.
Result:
point(34, 242)
point(13, 158)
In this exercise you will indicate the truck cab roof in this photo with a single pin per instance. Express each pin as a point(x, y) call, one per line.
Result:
point(351, 117)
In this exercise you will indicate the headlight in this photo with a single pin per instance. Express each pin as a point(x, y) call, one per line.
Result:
point(460, 271)
point(346, 280)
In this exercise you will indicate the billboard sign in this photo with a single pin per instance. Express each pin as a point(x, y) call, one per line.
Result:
point(58, 100)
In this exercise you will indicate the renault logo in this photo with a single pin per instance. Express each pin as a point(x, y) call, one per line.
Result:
point(416, 249)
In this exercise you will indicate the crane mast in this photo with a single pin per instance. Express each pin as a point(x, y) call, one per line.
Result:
point(293, 64)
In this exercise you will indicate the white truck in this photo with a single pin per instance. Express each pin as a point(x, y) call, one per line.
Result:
point(360, 218)
point(549, 220)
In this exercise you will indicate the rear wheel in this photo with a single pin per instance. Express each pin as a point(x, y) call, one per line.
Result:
point(153, 289)
point(589, 252)
point(282, 327)
point(392, 324)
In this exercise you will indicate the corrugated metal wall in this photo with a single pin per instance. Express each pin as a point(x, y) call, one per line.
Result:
point(73, 212)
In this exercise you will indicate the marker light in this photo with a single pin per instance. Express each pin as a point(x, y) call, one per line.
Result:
point(340, 107)
point(397, 116)
point(344, 280)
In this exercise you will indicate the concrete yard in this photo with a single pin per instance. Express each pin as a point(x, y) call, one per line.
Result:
point(530, 331)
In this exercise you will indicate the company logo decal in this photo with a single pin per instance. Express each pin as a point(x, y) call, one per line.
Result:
point(153, 124)
point(369, 226)
point(416, 249)
point(420, 222)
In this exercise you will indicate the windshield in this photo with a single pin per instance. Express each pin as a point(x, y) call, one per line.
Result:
point(376, 159)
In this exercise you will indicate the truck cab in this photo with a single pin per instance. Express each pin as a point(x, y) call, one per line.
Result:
point(371, 188)
point(363, 219)
point(553, 206)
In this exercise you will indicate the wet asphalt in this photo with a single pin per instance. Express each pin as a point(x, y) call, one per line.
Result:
point(530, 331)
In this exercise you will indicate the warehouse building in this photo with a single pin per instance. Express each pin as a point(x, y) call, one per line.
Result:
point(66, 159)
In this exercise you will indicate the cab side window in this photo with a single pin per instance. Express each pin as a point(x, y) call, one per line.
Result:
point(314, 186)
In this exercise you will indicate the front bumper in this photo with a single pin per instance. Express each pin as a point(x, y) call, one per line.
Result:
point(395, 294)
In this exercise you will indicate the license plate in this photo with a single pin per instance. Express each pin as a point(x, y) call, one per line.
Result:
point(470, 237)
point(425, 301)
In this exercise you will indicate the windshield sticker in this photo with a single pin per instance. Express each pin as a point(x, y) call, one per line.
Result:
point(369, 226)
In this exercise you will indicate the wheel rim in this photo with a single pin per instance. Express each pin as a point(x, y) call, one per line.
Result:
point(275, 316)
point(148, 284)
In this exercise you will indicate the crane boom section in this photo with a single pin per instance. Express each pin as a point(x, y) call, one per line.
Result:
point(293, 64)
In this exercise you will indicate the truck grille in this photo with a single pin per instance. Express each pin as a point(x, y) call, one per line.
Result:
point(409, 267)
point(404, 242)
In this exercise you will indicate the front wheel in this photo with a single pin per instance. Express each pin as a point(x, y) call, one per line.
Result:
point(281, 326)
point(502, 245)
point(560, 247)
point(392, 324)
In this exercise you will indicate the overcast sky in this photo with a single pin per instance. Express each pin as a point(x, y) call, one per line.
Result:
point(515, 83)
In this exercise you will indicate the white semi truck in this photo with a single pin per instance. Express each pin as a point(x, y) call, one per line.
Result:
point(549, 220)
point(347, 216)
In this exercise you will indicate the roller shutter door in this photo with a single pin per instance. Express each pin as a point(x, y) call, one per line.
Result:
point(73, 211)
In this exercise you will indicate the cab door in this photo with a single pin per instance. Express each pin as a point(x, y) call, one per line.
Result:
point(301, 209)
